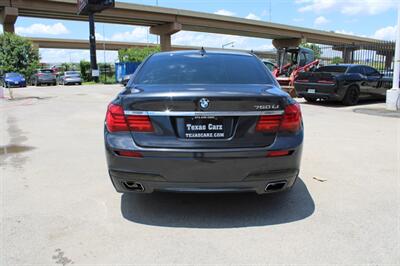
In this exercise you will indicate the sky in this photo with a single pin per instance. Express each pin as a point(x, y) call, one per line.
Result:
point(371, 18)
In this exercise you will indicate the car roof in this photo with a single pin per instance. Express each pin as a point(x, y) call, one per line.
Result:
point(205, 51)
point(347, 65)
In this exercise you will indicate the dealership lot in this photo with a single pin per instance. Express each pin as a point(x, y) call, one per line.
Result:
point(59, 207)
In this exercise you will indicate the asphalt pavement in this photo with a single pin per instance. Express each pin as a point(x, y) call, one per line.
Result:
point(58, 206)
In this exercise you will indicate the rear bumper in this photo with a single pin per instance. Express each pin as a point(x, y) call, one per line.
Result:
point(204, 171)
point(13, 85)
point(322, 91)
point(319, 95)
point(120, 179)
point(72, 81)
point(47, 81)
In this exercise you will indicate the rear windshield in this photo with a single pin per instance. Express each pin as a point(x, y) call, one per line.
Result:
point(72, 74)
point(46, 71)
point(202, 69)
point(335, 69)
point(12, 75)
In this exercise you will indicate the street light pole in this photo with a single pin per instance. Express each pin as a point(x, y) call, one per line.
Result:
point(92, 40)
point(392, 95)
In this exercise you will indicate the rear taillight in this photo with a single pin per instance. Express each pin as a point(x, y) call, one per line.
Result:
point(302, 80)
point(139, 123)
point(290, 121)
point(268, 123)
point(117, 121)
point(326, 81)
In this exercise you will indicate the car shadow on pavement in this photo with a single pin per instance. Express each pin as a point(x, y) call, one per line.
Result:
point(218, 210)
point(336, 104)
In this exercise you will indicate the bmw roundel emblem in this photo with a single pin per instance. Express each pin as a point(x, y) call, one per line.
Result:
point(204, 103)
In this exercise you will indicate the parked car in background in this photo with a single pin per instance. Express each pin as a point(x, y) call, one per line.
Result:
point(346, 83)
point(126, 79)
point(71, 77)
point(44, 76)
point(270, 65)
point(13, 79)
point(203, 121)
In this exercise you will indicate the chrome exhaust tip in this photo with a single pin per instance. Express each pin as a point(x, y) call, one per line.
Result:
point(275, 186)
point(133, 186)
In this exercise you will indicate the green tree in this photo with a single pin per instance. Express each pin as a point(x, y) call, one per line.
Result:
point(85, 70)
point(314, 47)
point(107, 73)
point(68, 67)
point(337, 60)
point(136, 54)
point(17, 54)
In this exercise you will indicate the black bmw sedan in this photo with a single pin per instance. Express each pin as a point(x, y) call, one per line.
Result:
point(203, 121)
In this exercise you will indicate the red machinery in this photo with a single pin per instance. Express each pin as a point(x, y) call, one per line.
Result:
point(291, 61)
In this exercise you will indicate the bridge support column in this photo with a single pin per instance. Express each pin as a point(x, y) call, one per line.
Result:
point(165, 31)
point(388, 60)
point(348, 55)
point(347, 52)
point(8, 16)
point(165, 42)
point(284, 43)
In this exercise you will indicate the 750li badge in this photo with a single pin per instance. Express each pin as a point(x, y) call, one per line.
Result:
point(267, 107)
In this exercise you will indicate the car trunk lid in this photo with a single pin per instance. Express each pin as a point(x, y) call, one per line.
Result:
point(212, 116)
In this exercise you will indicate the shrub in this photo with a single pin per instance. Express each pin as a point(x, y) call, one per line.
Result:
point(17, 54)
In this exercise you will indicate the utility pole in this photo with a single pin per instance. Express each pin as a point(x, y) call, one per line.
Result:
point(92, 40)
point(104, 54)
point(393, 95)
point(158, 37)
point(90, 7)
point(270, 11)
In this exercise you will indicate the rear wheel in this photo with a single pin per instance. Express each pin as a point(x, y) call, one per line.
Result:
point(352, 96)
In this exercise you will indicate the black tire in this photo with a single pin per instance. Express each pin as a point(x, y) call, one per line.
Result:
point(311, 100)
point(352, 96)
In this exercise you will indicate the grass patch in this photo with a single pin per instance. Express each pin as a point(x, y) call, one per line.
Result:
point(89, 83)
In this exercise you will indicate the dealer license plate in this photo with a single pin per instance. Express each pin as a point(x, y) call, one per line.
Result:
point(204, 128)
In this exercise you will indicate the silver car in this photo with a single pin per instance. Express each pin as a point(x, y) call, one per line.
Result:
point(71, 77)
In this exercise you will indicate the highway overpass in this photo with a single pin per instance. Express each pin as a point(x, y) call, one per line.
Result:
point(115, 46)
point(167, 21)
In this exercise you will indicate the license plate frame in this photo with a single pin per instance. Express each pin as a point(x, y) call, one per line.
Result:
point(311, 91)
point(204, 127)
